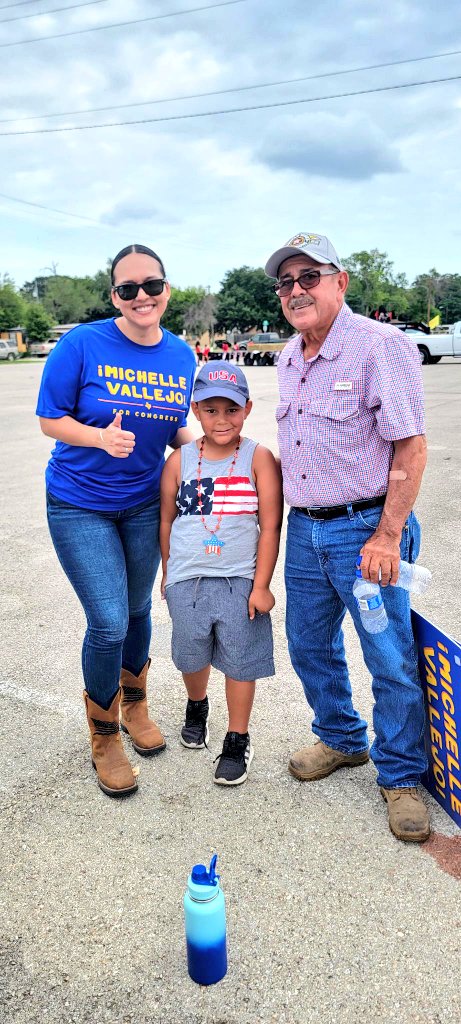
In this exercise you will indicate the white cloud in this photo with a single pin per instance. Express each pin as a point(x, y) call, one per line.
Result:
point(215, 192)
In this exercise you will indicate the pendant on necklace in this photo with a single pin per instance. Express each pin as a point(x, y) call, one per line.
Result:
point(213, 545)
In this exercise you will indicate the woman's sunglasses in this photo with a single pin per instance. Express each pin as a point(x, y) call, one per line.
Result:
point(129, 291)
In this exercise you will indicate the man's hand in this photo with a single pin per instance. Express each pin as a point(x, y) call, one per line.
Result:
point(381, 558)
point(260, 600)
point(115, 441)
point(381, 553)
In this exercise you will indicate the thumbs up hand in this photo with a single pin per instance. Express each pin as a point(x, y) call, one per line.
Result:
point(115, 441)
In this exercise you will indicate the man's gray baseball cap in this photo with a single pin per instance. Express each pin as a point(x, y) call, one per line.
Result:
point(318, 247)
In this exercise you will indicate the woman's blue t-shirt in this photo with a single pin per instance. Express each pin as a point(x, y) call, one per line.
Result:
point(94, 372)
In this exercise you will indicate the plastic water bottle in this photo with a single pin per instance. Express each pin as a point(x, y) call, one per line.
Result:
point(205, 915)
point(369, 599)
point(414, 578)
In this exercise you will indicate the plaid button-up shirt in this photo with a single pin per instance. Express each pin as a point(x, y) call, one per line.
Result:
point(340, 412)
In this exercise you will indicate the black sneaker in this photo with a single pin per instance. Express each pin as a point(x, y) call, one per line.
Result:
point(235, 759)
point(194, 733)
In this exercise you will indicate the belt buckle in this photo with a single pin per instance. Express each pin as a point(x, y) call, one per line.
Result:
point(312, 515)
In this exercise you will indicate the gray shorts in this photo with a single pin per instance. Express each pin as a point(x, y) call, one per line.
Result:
point(211, 626)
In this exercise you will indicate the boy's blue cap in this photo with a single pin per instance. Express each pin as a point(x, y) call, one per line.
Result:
point(219, 379)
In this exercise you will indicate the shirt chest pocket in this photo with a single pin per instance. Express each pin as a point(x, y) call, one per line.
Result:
point(336, 418)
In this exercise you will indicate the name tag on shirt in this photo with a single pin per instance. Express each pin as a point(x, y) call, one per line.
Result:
point(343, 385)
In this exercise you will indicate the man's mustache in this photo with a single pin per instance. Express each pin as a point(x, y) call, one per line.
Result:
point(301, 301)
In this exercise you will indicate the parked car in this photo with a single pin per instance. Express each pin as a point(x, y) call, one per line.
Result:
point(42, 348)
point(432, 347)
point(8, 349)
point(264, 339)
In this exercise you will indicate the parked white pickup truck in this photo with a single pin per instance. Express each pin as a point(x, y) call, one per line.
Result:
point(433, 346)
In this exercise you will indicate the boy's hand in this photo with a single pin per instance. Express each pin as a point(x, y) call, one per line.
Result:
point(162, 586)
point(261, 600)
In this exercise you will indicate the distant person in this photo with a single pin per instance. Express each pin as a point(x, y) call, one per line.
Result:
point(198, 352)
point(226, 350)
point(114, 394)
point(236, 352)
point(206, 353)
point(353, 452)
point(221, 513)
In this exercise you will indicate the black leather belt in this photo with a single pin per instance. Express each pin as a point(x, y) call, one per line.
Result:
point(342, 510)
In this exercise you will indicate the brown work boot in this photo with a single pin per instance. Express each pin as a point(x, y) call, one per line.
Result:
point(145, 735)
point(408, 815)
point(115, 774)
point(318, 761)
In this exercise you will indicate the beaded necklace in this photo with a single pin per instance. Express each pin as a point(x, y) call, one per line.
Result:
point(213, 545)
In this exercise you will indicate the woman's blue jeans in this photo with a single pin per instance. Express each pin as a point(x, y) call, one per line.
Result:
point(319, 576)
point(111, 559)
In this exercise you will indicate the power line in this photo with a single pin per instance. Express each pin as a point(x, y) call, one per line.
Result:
point(21, 3)
point(100, 224)
point(26, 202)
point(233, 110)
point(57, 10)
point(121, 24)
point(241, 88)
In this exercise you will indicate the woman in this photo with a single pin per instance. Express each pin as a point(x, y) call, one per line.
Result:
point(114, 394)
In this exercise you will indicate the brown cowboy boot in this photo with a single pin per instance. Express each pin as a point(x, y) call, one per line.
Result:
point(115, 774)
point(145, 735)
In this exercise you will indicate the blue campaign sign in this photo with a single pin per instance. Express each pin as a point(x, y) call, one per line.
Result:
point(439, 660)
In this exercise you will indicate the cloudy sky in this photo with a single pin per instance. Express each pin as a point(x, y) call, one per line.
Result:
point(377, 170)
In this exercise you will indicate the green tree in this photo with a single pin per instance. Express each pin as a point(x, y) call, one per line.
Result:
point(370, 280)
point(396, 295)
point(38, 322)
point(182, 301)
point(35, 289)
point(434, 293)
point(448, 298)
point(69, 299)
point(247, 298)
point(425, 290)
point(100, 288)
point(200, 316)
point(12, 306)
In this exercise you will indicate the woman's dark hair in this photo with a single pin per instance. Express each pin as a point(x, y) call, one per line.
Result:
point(134, 248)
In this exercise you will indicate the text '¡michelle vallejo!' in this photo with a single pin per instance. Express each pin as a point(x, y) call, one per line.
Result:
point(144, 384)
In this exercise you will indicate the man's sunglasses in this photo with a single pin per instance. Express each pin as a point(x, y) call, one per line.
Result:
point(307, 280)
point(128, 291)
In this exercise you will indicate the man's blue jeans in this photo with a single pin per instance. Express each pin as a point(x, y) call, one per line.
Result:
point(319, 574)
point(111, 559)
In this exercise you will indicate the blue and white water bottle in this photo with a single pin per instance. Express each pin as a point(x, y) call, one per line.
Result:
point(205, 915)
point(369, 599)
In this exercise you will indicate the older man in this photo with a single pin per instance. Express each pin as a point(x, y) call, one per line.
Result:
point(353, 451)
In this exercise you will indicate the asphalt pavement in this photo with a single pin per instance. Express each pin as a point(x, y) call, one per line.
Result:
point(330, 919)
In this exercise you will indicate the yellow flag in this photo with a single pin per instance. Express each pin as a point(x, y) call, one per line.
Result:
point(434, 322)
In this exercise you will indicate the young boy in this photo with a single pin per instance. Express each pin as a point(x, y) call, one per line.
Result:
point(221, 514)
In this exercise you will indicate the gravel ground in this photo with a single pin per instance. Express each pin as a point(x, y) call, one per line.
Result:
point(329, 917)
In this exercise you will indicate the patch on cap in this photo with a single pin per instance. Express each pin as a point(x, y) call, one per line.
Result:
point(305, 240)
